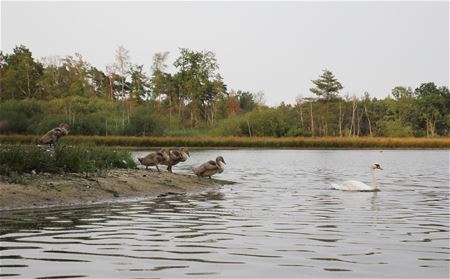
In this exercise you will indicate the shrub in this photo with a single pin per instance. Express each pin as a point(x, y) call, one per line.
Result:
point(144, 121)
point(232, 126)
point(298, 132)
point(394, 128)
point(20, 116)
point(268, 122)
point(62, 158)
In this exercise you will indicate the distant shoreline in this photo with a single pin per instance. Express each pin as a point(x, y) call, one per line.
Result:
point(247, 142)
point(44, 190)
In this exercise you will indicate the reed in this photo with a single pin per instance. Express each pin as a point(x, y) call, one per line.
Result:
point(262, 142)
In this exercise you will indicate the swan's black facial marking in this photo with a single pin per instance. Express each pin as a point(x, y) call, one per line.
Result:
point(377, 166)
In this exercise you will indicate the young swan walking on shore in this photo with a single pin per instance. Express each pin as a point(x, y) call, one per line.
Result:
point(176, 156)
point(210, 168)
point(353, 185)
point(55, 134)
point(155, 158)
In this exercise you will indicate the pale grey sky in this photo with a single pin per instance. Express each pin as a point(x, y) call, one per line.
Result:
point(270, 46)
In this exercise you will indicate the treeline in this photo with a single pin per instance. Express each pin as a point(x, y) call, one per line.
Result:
point(37, 95)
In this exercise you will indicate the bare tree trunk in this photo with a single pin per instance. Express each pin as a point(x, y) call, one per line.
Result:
point(192, 114)
point(340, 119)
point(326, 119)
point(170, 109)
point(368, 119)
point(301, 115)
point(28, 85)
point(213, 112)
point(111, 79)
point(312, 118)
point(159, 102)
point(128, 111)
point(180, 109)
point(249, 130)
point(359, 118)
point(432, 127)
point(319, 126)
point(353, 123)
point(123, 119)
point(122, 92)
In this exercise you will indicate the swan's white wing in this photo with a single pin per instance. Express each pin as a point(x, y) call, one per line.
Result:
point(336, 186)
point(351, 185)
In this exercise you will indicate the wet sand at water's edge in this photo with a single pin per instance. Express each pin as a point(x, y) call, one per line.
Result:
point(45, 190)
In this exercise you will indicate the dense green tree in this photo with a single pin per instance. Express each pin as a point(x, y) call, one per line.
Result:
point(99, 82)
point(246, 101)
point(139, 85)
point(196, 69)
point(326, 88)
point(212, 92)
point(161, 81)
point(405, 107)
point(20, 74)
point(434, 107)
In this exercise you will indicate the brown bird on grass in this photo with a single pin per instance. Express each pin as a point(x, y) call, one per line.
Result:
point(210, 168)
point(55, 134)
point(155, 158)
point(176, 156)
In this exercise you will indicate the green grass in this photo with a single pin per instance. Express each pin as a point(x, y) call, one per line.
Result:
point(262, 142)
point(63, 158)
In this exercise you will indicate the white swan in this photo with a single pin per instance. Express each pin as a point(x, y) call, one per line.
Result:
point(352, 185)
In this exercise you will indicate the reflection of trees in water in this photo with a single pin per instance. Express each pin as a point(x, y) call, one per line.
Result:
point(71, 218)
point(187, 212)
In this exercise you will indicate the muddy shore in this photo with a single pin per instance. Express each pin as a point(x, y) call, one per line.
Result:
point(46, 190)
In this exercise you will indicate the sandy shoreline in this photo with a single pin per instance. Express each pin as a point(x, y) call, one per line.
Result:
point(47, 190)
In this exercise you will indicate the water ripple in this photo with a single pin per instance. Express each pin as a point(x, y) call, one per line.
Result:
point(281, 220)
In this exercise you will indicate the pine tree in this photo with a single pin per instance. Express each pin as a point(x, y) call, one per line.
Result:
point(327, 88)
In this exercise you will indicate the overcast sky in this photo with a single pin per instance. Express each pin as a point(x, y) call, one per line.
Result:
point(277, 48)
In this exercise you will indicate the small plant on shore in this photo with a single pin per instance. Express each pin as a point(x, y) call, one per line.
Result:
point(63, 158)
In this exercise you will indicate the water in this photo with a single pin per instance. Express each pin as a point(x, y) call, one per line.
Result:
point(281, 220)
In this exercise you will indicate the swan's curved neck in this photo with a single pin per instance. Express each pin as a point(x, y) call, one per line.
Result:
point(184, 155)
point(374, 179)
point(220, 164)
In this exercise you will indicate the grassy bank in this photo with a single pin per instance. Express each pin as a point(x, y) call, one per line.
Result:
point(18, 159)
point(263, 142)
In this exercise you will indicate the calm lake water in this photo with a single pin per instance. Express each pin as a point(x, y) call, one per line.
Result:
point(280, 220)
